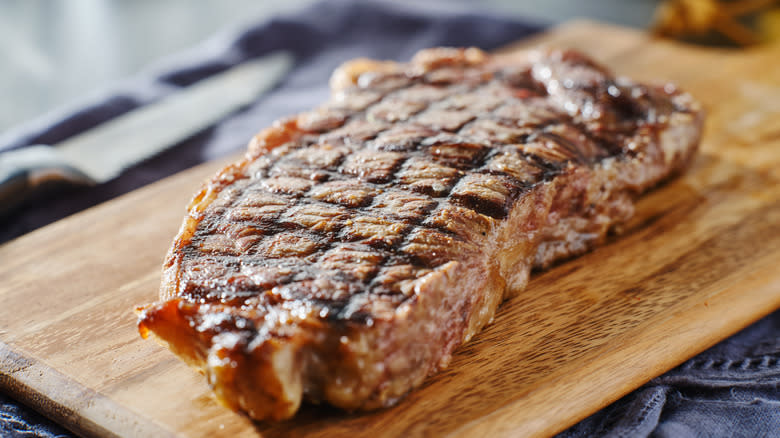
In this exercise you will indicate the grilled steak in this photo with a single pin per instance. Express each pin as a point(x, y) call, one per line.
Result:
point(356, 246)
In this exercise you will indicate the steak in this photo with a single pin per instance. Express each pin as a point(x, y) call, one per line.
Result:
point(356, 246)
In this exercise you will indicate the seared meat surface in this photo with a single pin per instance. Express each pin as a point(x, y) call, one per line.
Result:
point(356, 246)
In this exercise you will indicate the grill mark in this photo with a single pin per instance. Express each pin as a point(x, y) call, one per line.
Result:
point(415, 149)
point(579, 157)
point(549, 169)
point(398, 257)
point(413, 259)
point(491, 209)
point(478, 204)
point(517, 187)
point(613, 149)
point(367, 281)
point(492, 152)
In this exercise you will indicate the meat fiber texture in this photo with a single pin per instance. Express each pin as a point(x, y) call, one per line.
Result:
point(356, 246)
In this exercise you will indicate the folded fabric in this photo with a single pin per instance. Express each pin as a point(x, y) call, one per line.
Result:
point(730, 390)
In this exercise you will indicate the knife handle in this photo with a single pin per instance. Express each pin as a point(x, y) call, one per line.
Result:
point(32, 171)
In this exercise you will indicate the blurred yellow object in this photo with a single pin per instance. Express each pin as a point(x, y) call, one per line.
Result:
point(702, 18)
point(768, 25)
point(684, 16)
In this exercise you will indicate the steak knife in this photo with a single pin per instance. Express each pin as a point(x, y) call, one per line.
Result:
point(101, 153)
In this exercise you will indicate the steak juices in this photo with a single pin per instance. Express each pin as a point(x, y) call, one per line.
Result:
point(356, 246)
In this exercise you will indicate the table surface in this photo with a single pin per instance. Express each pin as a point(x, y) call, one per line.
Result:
point(57, 54)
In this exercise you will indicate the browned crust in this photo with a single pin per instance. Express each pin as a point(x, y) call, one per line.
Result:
point(366, 365)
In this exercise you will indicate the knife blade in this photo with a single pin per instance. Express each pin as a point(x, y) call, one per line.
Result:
point(100, 154)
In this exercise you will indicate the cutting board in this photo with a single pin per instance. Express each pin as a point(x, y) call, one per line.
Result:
point(697, 263)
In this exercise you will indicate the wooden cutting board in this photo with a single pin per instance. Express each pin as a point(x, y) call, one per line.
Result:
point(698, 263)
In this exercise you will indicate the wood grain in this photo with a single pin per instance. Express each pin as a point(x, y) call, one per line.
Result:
point(696, 264)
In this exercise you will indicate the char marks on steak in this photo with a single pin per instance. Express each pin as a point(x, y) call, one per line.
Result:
point(357, 245)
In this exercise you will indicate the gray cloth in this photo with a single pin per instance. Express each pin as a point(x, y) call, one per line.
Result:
point(20, 422)
point(730, 390)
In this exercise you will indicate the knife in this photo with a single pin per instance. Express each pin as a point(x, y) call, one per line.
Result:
point(101, 153)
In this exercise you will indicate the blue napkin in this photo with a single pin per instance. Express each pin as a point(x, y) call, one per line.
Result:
point(730, 390)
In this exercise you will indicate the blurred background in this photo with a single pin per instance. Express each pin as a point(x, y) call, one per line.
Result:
point(56, 52)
